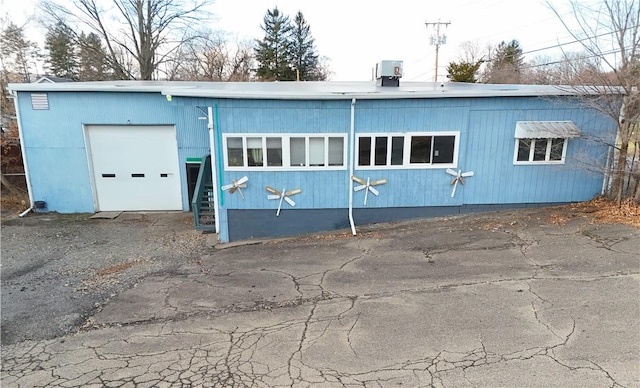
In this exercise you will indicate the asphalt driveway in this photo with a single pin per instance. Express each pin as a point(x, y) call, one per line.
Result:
point(531, 298)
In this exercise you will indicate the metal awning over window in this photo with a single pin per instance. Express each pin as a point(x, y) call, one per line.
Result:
point(546, 129)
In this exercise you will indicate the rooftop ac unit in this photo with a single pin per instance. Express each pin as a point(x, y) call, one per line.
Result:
point(391, 69)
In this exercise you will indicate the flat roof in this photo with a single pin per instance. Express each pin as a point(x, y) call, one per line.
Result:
point(313, 90)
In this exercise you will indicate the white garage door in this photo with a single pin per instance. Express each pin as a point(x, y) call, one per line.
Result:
point(135, 167)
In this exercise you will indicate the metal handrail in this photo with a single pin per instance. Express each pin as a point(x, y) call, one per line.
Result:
point(204, 179)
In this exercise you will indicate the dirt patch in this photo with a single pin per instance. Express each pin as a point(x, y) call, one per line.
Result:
point(13, 203)
point(117, 268)
point(327, 236)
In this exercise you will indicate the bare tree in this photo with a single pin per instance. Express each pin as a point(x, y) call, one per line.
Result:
point(17, 54)
point(571, 68)
point(212, 58)
point(11, 156)
point(147, 31)
point(471, 52)
point(610, 33)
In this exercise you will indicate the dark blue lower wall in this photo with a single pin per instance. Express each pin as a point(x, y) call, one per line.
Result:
point(247, 224)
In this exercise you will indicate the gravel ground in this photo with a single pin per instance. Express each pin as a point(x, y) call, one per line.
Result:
point(66, 267)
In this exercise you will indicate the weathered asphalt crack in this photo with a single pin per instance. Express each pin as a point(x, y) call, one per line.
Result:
point(297, 355)
point(355, 322)
point(327, 296)
point(604, 242)
point(535, 310)
point(525, 244)
point(298, 352)
point(296, 281)
point(228, 370)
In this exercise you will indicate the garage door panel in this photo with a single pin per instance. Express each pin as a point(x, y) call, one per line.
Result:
point(135, 167)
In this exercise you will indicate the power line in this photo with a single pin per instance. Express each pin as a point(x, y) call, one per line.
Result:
point(575, 41)
point(614, 51)
point(569, 43)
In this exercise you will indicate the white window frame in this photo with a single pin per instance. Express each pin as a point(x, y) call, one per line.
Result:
point(406, 152)
point(286, 151)
point(532, 151)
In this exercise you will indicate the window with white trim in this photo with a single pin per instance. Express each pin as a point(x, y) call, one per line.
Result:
point(540, 151)
point(293, 151)
point(543, 142)
point(413, 150)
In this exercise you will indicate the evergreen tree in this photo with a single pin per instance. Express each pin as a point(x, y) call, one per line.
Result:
point(274, 52)
point(304, 56)
point(18, 53)
point(507, 64)
point(92, 58)
point(463, 71)
point(63, 59)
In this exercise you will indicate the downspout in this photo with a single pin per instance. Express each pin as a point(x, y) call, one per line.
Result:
point(351, 162)
point(214, 169)
point(219, 151)
point(24, 154)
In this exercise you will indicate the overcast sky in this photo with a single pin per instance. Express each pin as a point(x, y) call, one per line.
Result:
point(354, 35)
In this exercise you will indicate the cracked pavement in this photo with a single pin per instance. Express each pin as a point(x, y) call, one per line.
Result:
point(505, 299)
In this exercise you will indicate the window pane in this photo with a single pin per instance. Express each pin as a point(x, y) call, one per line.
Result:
point(254, 151)
point(296, 146)
point(420, 149)
point(556, 149)
point(336, 151)
point(381, 151)
point(443, 149)
point(364, 149)
point(540, 150)
point(274, 151)
point(235, 155)
point(316, 151)
point(524, 145)
point(397, 150)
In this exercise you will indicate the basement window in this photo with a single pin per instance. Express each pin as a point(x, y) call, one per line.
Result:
point(39, 101)
point(285, 152)
point(412, 150)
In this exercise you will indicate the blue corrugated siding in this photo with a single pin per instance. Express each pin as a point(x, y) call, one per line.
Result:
point(330, 189)
point(60, 177)
point(56, 152)
point(490, 152)
point(486, 146)
point(55, 148)
point(411, 187)
point(320, 189)
point(238, 116)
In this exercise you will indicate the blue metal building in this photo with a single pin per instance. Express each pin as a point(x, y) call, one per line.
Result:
point(144, 145)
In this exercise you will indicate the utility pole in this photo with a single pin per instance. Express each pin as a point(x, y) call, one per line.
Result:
point(437, 40)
